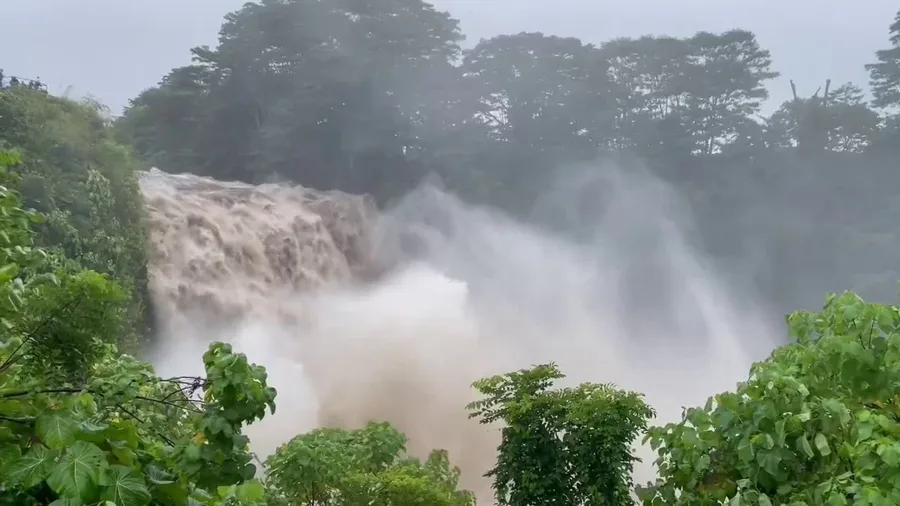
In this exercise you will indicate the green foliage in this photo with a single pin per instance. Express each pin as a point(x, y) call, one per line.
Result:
point(82, 424)
point(360, 467)
point(885, 73)
point(561, 446)
point(128, 437)
point(86, 186)
point(235, 394)
point(817, 423)
point(348, 82)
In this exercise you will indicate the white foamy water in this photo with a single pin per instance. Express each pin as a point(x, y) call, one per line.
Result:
point(461, 292)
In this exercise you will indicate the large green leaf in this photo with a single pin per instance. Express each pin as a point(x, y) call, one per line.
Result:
point(64, 501)
point(251, 492)
point(30, 469)
point(822, 444)
point(125, 487)
point(77, 472)
point(158, 476)
point(57, 430)
point(8, 454)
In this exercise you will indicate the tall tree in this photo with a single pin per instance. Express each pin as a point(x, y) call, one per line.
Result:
point(695, 94)
point(165, 123)
point(320, 93)
point(885, 74)
point(725, 81)
point(801, 122)
point(885, 83)
point(538, 102)
point(535, 89)
point(648, 88)
point(853, 124)
point(839, 120)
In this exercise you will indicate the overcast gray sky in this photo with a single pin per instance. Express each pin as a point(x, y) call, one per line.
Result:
point(113, 49)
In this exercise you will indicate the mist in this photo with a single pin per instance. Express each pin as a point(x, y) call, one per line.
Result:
point(471, 292)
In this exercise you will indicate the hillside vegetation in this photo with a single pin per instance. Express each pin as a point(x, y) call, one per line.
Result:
point(85, 185)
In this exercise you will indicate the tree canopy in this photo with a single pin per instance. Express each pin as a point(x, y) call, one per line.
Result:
point(332, 95)
point(374, 97)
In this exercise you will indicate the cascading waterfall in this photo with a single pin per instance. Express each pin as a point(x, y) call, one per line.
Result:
point(361, 315)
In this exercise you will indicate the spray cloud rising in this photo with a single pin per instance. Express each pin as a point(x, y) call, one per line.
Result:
point(461, 292)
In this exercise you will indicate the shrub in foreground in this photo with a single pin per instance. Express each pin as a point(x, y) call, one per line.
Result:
point(817, 423)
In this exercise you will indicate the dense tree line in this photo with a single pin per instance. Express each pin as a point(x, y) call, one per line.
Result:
point(368, 97)
point(373, 97)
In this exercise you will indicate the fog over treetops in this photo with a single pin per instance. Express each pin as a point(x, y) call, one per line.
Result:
point(373, 104)
point(809, 43)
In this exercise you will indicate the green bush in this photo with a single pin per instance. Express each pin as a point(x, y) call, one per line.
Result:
point(82, 424)
point(364, 467)
point(818, 423)
point(563, 446)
